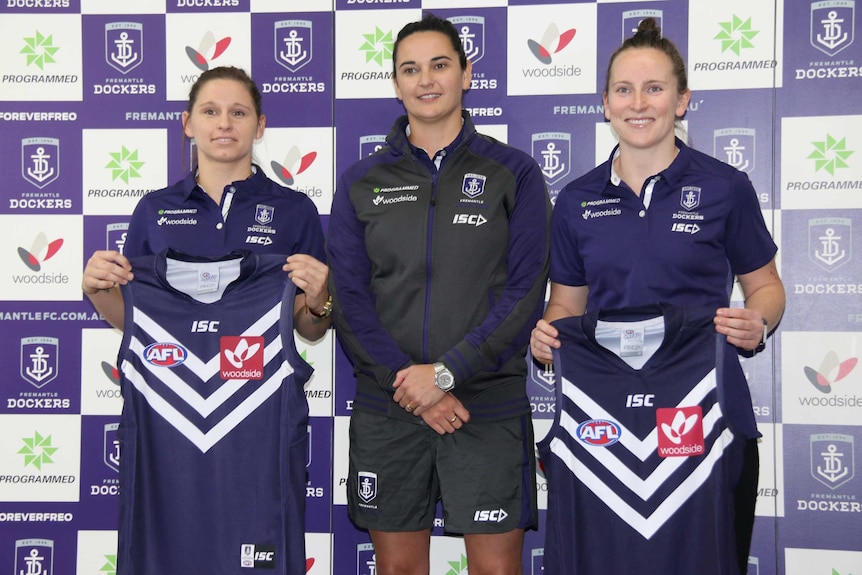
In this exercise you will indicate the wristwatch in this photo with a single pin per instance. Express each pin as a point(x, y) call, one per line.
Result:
point(443, 378)
point(762, 345)
point(327, 310)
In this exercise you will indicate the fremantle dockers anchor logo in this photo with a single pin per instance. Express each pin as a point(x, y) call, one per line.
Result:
point(689, 197)
point(293, 43)
point(632, 18)
point(829, 242)
point(471, 30)
point(124, 45)
point(832, 24)
point(34, 557)
point(40, 160)
point(370, 144)
point(111, 446)
point(39, 363)
point(367, 488)
point(543, 376)
point(735, 146)
point(473, 185)
point(263, 214)
point(553, 152)
point(832, 462)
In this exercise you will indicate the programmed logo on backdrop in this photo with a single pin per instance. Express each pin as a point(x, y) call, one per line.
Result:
point(734, 43)
point(821, 162)
point(40, 57)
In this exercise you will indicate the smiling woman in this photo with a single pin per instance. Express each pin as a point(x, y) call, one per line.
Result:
point(210, 211)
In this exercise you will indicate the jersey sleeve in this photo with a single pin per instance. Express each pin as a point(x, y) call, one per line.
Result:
point(567, 265)
point(749, 244)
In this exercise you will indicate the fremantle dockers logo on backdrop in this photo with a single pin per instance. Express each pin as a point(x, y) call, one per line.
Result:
point(829, 242)
point(832, 461)
point(832, 24)
point(366, 563)
point(293, 43)
point(34, 556)
point(116, 236)
point(111, 446)
point(471, 30)
point(367, 486)
point(632, 18)
point(370, 144)
point(124, 45)
point(39, 360)
point(543, 376)
point(735, 146)
point(40, 160)
point(553, 152)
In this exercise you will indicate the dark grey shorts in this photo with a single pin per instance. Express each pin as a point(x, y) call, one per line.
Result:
point(484, 473)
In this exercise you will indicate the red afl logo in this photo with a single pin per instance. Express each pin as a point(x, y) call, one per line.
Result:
point(599, 432)
point(165, 354)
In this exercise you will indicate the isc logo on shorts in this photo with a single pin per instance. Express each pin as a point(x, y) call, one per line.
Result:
point(490, 515)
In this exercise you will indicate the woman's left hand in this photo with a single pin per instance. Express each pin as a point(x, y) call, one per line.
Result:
point(742, 326)
point(309, 274)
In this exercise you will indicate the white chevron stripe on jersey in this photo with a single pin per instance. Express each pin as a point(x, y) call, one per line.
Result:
point(642, 487)
point(205, 440)
point(642, 449)
point(204, 369)
point(647, 526)
point(195, 400)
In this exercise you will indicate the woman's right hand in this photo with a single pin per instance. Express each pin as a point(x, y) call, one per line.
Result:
point(106, 269)
point(542, 339)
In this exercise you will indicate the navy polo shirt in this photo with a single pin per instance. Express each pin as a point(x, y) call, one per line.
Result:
point(260, 216)
point(701, 226)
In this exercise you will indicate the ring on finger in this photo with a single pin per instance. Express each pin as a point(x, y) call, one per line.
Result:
point(454, 418)
point(408, 408)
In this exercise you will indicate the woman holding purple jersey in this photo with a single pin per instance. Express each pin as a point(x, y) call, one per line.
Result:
point(660, 222)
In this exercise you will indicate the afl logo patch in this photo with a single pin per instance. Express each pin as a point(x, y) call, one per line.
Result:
point(600, 432)
point(165, 354)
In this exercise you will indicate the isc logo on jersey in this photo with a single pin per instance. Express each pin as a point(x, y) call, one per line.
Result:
point(241, 357)
point(599, 432)
point(680, 431)
point(165, 354)
point(685, 228)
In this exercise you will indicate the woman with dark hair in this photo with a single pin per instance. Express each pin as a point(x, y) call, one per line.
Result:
point(659, 224)
point(227, 203)
point(438, 247)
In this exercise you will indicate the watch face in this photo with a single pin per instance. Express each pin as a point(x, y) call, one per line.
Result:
point(445, 380)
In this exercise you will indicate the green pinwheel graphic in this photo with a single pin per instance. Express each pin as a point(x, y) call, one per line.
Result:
point(457, 567)
point(110, 566)
point(830, 155)
point(40, 50)
point(378, 46)
point(124, 165)
point(736, 35)
point(37, 450)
